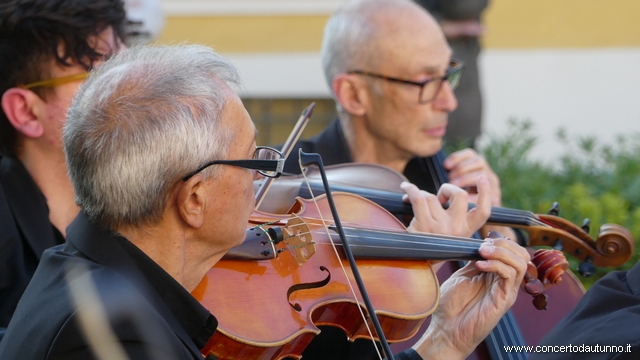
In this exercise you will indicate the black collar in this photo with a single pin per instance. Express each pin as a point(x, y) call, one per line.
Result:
point(331, 144)
point(28, 206)
point(188, 318)
point(633, 278)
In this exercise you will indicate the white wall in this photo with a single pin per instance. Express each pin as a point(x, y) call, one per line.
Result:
point(588, 92)
point(249, 7)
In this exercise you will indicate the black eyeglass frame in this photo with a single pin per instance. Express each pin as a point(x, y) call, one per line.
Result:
point(260, 165)
point(455, 66)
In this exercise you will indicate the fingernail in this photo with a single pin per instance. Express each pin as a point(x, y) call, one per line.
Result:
point(487, 246)
point(494, 234)
point(483, 178)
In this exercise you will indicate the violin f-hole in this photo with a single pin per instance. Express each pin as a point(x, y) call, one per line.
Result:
point(305, 286)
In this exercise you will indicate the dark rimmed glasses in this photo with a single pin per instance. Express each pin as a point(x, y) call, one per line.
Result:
point(57, 81)
point(267, 161)
point(429, 88)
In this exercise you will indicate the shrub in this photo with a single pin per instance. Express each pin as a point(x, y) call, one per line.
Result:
point(596, 181)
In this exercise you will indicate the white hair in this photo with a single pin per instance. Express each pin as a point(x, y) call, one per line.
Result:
point(142, 121)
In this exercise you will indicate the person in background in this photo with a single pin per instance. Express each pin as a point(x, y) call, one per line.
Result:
point(47, 48)
point(391, 72)
point(392, 75)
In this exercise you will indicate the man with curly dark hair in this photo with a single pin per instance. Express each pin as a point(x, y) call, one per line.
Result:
point(47, 47)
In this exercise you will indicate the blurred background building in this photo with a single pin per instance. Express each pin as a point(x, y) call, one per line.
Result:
point(569, 63)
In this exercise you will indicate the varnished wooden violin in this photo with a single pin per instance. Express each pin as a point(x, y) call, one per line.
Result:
point(278, 292)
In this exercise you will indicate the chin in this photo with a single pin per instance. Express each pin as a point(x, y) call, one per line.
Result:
point(429, 148)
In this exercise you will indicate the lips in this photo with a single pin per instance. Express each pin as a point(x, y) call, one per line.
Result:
point(436, 131)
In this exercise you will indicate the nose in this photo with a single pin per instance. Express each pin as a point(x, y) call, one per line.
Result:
point(446, 100)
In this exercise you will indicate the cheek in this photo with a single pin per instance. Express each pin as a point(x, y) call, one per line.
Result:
point(55, 120)
point(58, 107)
point(243, 194)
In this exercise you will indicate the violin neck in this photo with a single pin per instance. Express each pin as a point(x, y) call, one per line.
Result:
point(392, 202)
point(390, 245)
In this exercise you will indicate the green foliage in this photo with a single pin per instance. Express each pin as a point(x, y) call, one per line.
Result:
point(596, 181)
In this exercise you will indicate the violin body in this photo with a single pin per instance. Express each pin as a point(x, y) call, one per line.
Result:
point(270, 309)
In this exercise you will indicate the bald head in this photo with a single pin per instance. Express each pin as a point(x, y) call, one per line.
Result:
point(367, 34)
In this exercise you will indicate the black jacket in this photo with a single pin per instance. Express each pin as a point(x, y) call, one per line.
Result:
point(151, 315)
point(607, 315)
point(332, 146)
point(25, 232)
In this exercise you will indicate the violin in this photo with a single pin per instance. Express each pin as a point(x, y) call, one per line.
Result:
point(286, 279)
point(613, 247)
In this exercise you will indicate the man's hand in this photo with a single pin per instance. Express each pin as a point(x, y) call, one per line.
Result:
point(473, 300)
point(465, 167)
point(457, 220)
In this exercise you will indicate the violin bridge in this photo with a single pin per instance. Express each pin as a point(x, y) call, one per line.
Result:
point(299, 240)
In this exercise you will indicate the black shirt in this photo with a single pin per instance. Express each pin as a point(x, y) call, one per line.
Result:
point(332, 146)
point(607, 315)
point(25, 232)
point(151, 315)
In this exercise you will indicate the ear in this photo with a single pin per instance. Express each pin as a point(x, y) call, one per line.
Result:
point(21, 108)
point(191, 201)
point(350, 93)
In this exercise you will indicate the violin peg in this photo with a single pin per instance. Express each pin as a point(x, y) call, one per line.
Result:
point(540, 301)
point(555, 209)
point(551, 265)
point(557, 245)
point(586, 225)
point(586, 268)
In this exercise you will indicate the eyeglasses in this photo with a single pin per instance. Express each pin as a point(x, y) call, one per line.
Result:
point(57, 81)
point(267, 161)
point(429, 88)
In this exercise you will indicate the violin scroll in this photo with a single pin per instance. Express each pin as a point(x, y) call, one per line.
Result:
point(613, 247)
point(613, 240)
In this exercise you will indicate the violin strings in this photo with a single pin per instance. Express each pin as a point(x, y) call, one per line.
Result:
point(353, 292)
point(426, 246)
point(392, 232)
point(507, 333)
point(422, 242)
point(520, 216)
point(411, 238)
point(523, 217)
